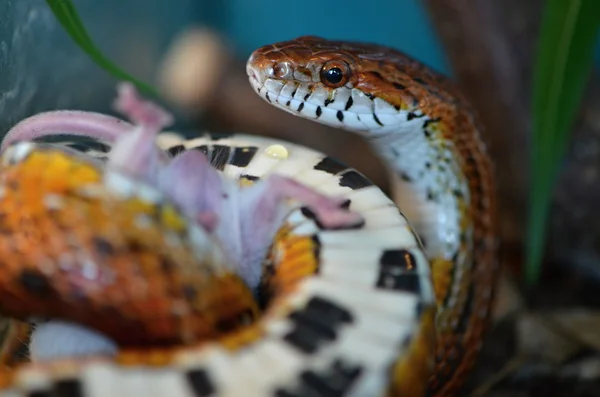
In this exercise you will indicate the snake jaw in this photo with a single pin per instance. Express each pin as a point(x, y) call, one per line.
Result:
point(299, 90)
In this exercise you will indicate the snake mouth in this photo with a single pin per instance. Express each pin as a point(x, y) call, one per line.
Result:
point(348, 109)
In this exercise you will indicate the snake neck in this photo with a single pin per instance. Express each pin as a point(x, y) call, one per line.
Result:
point(429, 186)
point(443, 185)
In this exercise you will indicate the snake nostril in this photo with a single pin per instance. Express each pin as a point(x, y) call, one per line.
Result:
point(254, 74)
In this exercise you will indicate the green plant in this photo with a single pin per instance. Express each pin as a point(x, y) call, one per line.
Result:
point(66, 14)
point(563, 63)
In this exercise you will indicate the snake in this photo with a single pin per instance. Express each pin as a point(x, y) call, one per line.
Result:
point(396, 305)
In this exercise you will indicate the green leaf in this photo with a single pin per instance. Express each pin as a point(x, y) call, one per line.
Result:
point(564, 60)
point(67, 15)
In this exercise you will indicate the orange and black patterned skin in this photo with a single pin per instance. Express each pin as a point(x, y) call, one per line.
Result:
point(75, 247)
point(402, 106)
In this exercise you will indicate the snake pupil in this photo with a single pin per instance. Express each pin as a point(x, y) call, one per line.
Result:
point(334, 75)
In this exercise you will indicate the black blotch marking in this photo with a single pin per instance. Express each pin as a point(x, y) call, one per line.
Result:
point(405, 177)
point(103, 246)
point(430, 195)
point(340, 115)
point(67, 388)
point(307, 96)
point(243, 155)
point(249, 177)
point(399, 86)
point(319, 111)
point(294, 92)
point(397, 107)
point(217, 136)
point(420, 81)
point(328, 101)
point(300, 107)
point(333, 312)
point(349, 103)
point(265, 291)
point(316, 248)
point(203, 149)
point(330, 165)
point(430, 121)
point(400, 282)
point(396, 268)
point(346, 204)
point(399, 259)
point(175, 150)
point(308, 213)
point(305, 339)
point(81, 144)
point(334, 381)
point(267, 97)
point(354, 180)
point(412, 116)
point(316, 324)
point(377, 119)
point(220, 156)
point(35, 282)
point(88, 147)
point(200, 382)
point(377, 75)
point(370, 96)
point(321, 325)
point(288, 103)
point(428, 165)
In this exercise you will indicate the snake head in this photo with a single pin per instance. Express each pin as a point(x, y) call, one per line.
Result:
point(366, 88)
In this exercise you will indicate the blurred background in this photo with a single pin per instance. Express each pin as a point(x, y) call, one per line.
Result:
point(195, 51)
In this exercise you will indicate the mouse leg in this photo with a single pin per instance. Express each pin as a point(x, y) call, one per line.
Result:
point(135, 152)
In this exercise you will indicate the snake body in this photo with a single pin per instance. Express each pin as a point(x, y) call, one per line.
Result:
point(432, 142)
point(361, 312)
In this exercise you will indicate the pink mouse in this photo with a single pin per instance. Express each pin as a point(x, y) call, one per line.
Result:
point(244, 220)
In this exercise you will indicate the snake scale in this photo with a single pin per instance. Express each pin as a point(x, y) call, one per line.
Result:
point(270, 269)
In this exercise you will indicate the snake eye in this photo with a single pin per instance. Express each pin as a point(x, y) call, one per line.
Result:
point(335, 73)
point(281, 70)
